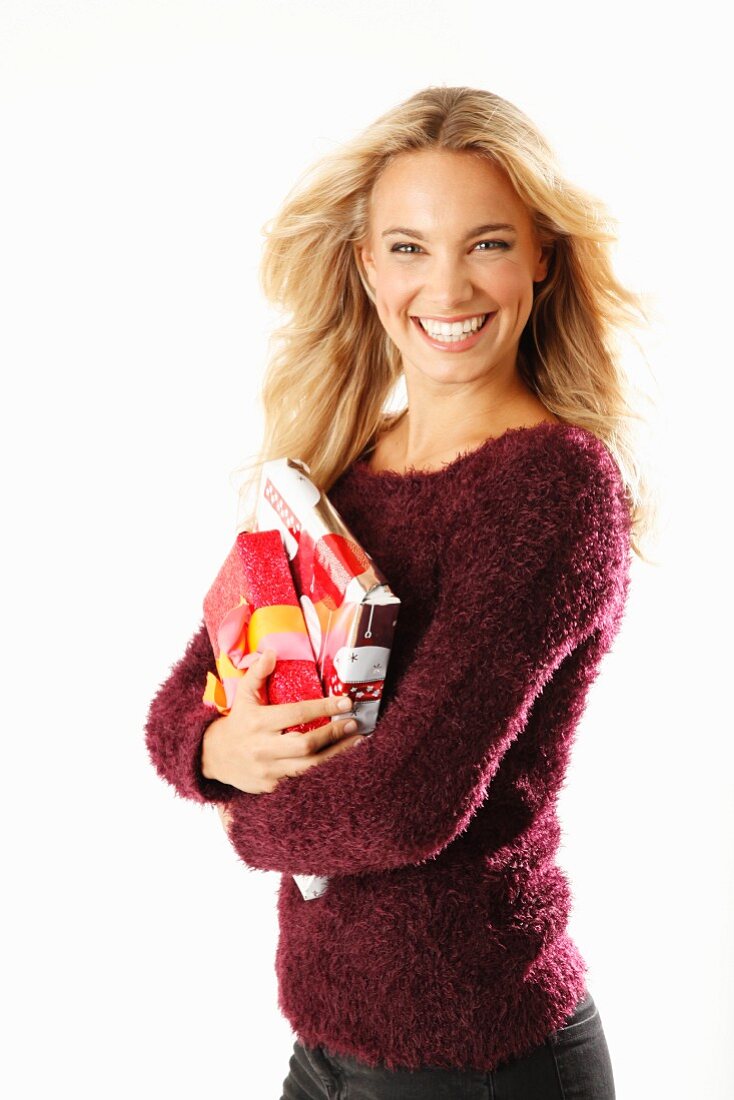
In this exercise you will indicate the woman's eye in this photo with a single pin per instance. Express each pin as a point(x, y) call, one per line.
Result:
point(493, 245)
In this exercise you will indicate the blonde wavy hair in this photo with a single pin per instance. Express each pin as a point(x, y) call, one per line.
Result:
point(332, 369)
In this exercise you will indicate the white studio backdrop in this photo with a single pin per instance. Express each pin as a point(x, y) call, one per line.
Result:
point(144, 146)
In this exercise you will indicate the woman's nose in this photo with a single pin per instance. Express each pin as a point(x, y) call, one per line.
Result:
point(448, 284)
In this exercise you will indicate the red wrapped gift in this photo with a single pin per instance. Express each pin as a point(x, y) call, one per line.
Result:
point(253, 606)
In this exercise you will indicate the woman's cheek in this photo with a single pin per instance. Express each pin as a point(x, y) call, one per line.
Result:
point(513, 292)
point(395, 294)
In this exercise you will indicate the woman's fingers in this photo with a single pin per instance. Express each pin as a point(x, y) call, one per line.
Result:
point(316, 741)
point(252, 686)
point(252, 690)
point(296, 765)
point(282, 716)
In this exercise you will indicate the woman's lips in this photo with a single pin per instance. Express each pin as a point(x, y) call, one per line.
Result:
point(455, 345)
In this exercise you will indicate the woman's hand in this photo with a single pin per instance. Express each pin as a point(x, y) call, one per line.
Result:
point(247, 747)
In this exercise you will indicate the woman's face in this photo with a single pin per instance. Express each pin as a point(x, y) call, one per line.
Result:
point(450, 241)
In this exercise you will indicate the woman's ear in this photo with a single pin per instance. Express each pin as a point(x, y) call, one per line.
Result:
point(545, 254)
point(367, 262)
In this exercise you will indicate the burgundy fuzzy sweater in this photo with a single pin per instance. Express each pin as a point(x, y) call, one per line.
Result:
point(441, 939)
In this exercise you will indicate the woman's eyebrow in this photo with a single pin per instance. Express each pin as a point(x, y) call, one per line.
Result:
point(491, 227)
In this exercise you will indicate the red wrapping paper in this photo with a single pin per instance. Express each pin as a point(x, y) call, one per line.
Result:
point(255, 576)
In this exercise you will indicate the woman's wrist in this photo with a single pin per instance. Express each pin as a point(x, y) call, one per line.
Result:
point(209, 743)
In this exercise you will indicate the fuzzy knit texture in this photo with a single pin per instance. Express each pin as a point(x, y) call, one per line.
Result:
point(442, 937)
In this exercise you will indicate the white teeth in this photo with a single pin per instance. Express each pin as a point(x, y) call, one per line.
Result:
point(451, 332)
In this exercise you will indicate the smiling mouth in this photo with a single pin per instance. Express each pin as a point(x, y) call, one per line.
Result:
point(446, 332)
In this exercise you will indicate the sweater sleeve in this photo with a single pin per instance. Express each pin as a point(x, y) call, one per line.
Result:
point(534, 569)
point(176, 722)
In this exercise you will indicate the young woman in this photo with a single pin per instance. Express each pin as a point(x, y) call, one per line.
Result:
point(441, 248)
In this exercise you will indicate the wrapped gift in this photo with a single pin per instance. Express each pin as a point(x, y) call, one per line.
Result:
point(253, 606)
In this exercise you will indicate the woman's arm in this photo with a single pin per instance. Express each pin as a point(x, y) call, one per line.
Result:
point(176, 722)
point(537, 568)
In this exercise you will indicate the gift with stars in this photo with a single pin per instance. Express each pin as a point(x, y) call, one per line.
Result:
point(348, 606)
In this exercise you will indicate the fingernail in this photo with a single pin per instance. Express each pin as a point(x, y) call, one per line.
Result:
point(350, 726)
point(345, 703)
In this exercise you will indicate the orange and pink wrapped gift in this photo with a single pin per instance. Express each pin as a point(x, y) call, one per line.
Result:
point(252, 606)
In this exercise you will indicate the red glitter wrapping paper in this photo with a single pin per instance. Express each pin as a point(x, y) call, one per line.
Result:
point(252, 606)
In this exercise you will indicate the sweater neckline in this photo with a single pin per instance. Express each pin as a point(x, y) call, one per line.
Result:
point(361, 466)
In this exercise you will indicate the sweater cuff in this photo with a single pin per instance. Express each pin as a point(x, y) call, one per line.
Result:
point(175, 731)
point(194, 784)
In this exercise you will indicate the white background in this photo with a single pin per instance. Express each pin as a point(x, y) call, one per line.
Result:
point(144, 145)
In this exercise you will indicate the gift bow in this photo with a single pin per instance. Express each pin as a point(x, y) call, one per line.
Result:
point(243, 635)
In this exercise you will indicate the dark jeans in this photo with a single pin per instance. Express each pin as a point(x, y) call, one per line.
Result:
point(572, 1064)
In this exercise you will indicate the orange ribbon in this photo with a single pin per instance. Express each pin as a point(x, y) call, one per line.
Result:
point(243, 635)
